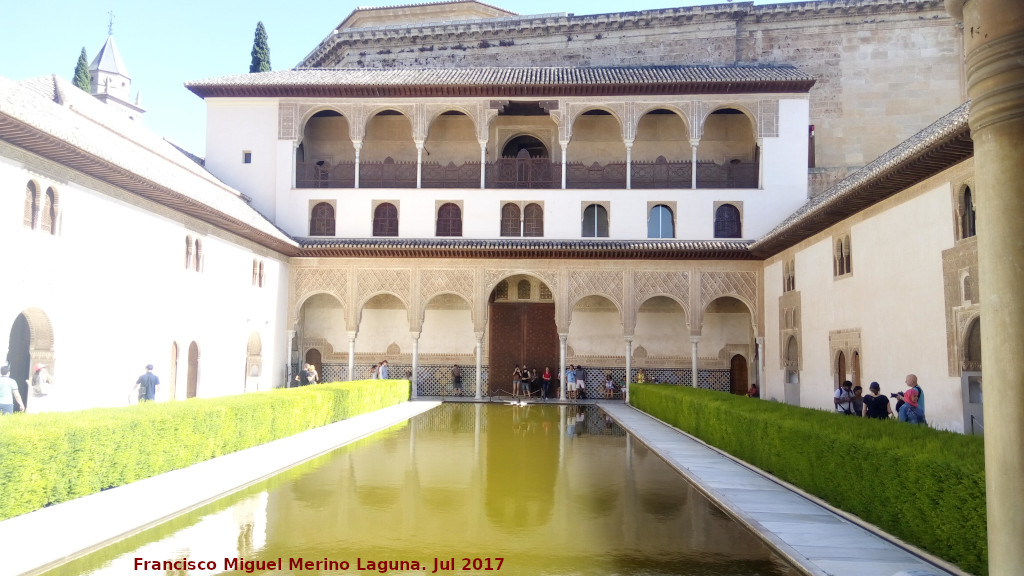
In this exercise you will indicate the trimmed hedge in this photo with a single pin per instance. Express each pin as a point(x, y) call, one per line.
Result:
point(922, 485)
point(55, 457)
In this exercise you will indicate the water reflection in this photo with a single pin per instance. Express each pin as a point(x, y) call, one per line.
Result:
point(549, 489)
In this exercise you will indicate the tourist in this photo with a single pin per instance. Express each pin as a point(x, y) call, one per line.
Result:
point(858, 400)
point(570, 381)
point(545, 382)
point(373, 371)
point(876, 405)
point(641, 376)
point(304, 377)
point(843, 399)
point(147, 385)
point(753, 391)
point(9, 393)
point(383, 369)
point(581, 382)
point(457, 379)
point(314, 376)
point(609, 385)
point(912, 410)
point(40, 385)
point(517, 381)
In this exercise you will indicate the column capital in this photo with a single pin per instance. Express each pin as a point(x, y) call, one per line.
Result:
point(694, 339)
point(357, 144)
point(563, 338)
point(628, 338)
point(415, 336)
point(694, 142)
point(479, 336)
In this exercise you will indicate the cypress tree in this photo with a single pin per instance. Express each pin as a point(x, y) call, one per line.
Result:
point(260, 51)
point(82, 77)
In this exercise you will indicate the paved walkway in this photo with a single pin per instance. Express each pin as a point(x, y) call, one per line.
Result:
point(806, 531)
point(40, 540)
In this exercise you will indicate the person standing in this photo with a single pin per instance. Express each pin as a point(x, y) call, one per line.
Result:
point(858, 400)
point(843, 399)
point(581, 382)
point(147, 385)
point(9, 393)
point(304, 376)
point(383, 369)
point(912, 410)
point(41, 384)
point(570, 381)
point(457, 379)
point(517, 380)
point(875, 404)
point(545, 382)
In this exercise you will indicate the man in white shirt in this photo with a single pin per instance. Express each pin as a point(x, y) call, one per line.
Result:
point(843, 399)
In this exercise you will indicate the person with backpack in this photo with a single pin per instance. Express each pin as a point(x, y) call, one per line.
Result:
point(843, 399)
point(912, 410)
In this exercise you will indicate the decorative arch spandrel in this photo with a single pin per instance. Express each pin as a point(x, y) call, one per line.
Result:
point(306, 282)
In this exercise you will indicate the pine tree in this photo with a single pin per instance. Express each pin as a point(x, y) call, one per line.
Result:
point(82, 77)
point(260, 51)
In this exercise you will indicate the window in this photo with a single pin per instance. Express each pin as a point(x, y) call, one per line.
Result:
point(595, 222)
point(789, 276)
point(31, 205)
point(968, 225)
point(523, 290)
point(246, 157)
point(48, 222)
point(510, 225)
point(533, 222)
point(659, 222)
point(727, 222)
point(255, 271)
point(842, 258)
point(385, 220)
point(321, 222)
point(260, 279)
point(449, 220)
point(189, 246)
point(199, 255)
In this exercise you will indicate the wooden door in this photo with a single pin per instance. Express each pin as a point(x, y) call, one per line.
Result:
point(520, 333)
point(738, 375)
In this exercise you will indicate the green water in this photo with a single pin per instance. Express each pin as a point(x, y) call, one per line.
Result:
point(463, 489)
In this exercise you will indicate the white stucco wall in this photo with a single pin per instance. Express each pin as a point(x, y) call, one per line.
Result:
point(894, 297)
point(237, 125)
point(114, 287)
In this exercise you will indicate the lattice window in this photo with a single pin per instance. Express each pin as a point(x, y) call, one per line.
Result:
point(385, 220)
point(449, 220)
point(523, 290)
point(533, 221)
point(48, 222)
point(595, 222)
point(321, 222)
point(501, 290)
point(659, 222)
point(727, 222)
point(968, 225)
point(545, 293)
point(510, 220)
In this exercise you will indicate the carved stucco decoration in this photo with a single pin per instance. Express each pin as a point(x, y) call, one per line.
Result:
point(458, 281)
point(587, 282)
point(741, 285)
point(396, 282)
point(309, 281)
point(768, 118)
point(650, 283)
point(493, 276)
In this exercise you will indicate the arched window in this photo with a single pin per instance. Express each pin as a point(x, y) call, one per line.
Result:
point(848, 256)
point(533, 221)
point(260, 279)
point(501, 290)
point(523, 290)
point(189, 246)
point(31, 205)
point(321, 221)
point(199, 255)
point(659, 222)
point(510, 225)
point(595, 222)
point(533, 147)
point(972, 348)
point(449, 220)
point(968, 225)
point(968, 291)
point(48, 222)
point(385, 220)
point(727, 222)
point(255, 272)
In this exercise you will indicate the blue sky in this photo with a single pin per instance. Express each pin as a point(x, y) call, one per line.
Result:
point(165, 44)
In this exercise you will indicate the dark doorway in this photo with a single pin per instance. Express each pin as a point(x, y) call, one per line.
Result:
point(314, 357)
point(521, 333)
point(19, 357)
point(738, 378)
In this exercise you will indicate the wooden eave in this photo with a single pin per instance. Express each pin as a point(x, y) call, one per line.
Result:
point(519, 249)
point(501, 91)
point(47, 146)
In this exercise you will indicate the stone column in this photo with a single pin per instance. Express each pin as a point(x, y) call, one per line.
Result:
point(629, 360)
point(694, 340)
point(419, 164)
point(759, 340)
point(479, 364)
point(415, 362)
point(693, 169)
point(351, 356)
point(760, 163)
point(295, 162)
point(358, 145)
point(565, 149)
point(562, 338)
point(288, 360)
point(629, 164)
point(993, 44)
point(483, 164)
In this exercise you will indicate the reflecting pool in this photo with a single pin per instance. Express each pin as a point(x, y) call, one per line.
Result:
point(460, 489)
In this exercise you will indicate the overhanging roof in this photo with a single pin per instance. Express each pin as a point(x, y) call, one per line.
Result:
point(508, 82)
point(938, 147)
point(518, 248)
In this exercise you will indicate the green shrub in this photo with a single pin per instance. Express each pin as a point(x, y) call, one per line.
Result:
point(55, 457)
point(924, 486)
